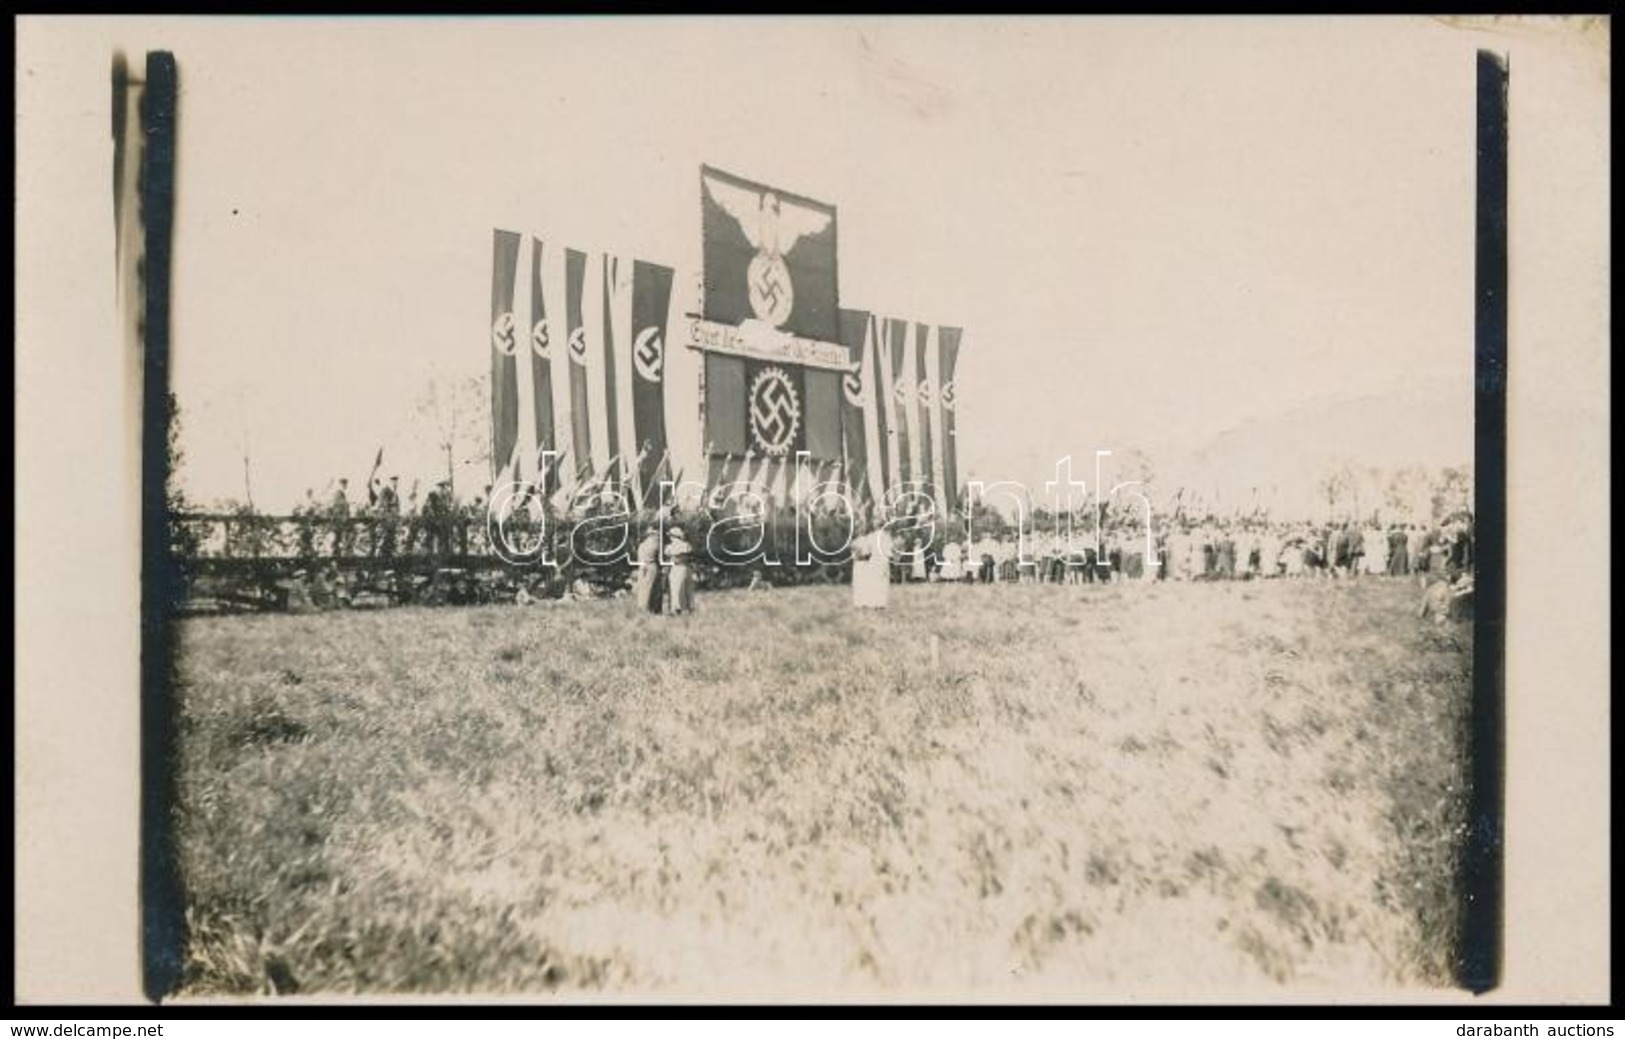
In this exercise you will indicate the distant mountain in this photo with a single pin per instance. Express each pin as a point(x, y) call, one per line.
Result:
point(1287, 454)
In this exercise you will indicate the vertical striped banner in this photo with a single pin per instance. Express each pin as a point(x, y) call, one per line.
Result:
point(854, 434)
point(541, 367)
point(894, 350)
point(947, 399)
point(931, 400)
point(523, 465)
point(554, 289)
point(504, 345)
point(613, 333)
point(876, 404)
point(651, 301)
point(575, 272)
point(924, 342)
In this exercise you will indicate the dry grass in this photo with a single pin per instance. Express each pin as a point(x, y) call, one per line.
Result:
point(1084, 788)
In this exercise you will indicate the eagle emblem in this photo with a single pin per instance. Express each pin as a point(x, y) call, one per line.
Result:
point(772, 226)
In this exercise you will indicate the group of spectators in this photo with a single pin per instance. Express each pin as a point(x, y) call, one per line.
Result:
point(1205, 550)
point(384, 526)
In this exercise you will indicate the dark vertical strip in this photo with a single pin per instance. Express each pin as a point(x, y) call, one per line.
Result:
point(575, 276)
point(1480, 959)
point(854, 326)
point(948, 354)
point(880, 394)
point(897, 389)
point(725, 407)
point(612, 277)
point(162, 909)
point(121, 103)
point(651, 303)
point(505, 343)
point(541, 369)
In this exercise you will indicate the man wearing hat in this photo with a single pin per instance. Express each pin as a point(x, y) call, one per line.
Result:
point(438, 519)
point(389, 517)
point(646, 585)
point(680, 580)
point(338, 514)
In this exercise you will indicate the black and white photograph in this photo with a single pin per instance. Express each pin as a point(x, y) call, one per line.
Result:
point(835, 509)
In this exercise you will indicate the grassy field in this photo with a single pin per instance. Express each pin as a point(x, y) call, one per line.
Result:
point(1083, 791)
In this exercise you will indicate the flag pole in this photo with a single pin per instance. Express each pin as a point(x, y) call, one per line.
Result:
point(248, 483)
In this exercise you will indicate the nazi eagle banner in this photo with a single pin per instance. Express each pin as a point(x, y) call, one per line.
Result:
point(769, 257)
point(769, 269)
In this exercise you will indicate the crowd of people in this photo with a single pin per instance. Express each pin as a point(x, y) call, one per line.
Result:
point(1209, 549)
point(1439, 556)
point(386, 525)
point(666, 567)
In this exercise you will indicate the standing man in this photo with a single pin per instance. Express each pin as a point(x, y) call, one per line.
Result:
point(1375, 546)
point(1461, 548)
point(1225, 554)
point(338, 514)
point(474, 522)
point(680, 580)
point(1398, 555)
point(447, 519)
point(437, 521)
point(646, 586)
point(1269, 552)
point(389, 515)
point(1416, 549)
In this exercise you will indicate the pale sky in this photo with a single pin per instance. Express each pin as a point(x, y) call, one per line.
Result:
point(1154, 232)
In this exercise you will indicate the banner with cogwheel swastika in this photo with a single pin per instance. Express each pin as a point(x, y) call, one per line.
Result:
point(775, 409)
point(769, 265)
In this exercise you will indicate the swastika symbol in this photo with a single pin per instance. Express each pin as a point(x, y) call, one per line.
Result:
point(946, 395)
point(772, 296)
point(925, 392)
point(775, 413)
point(649, 354)
point(767, 286)
point(853, 386)
point(502, 336)
point(539, 338)
point(578, 345)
